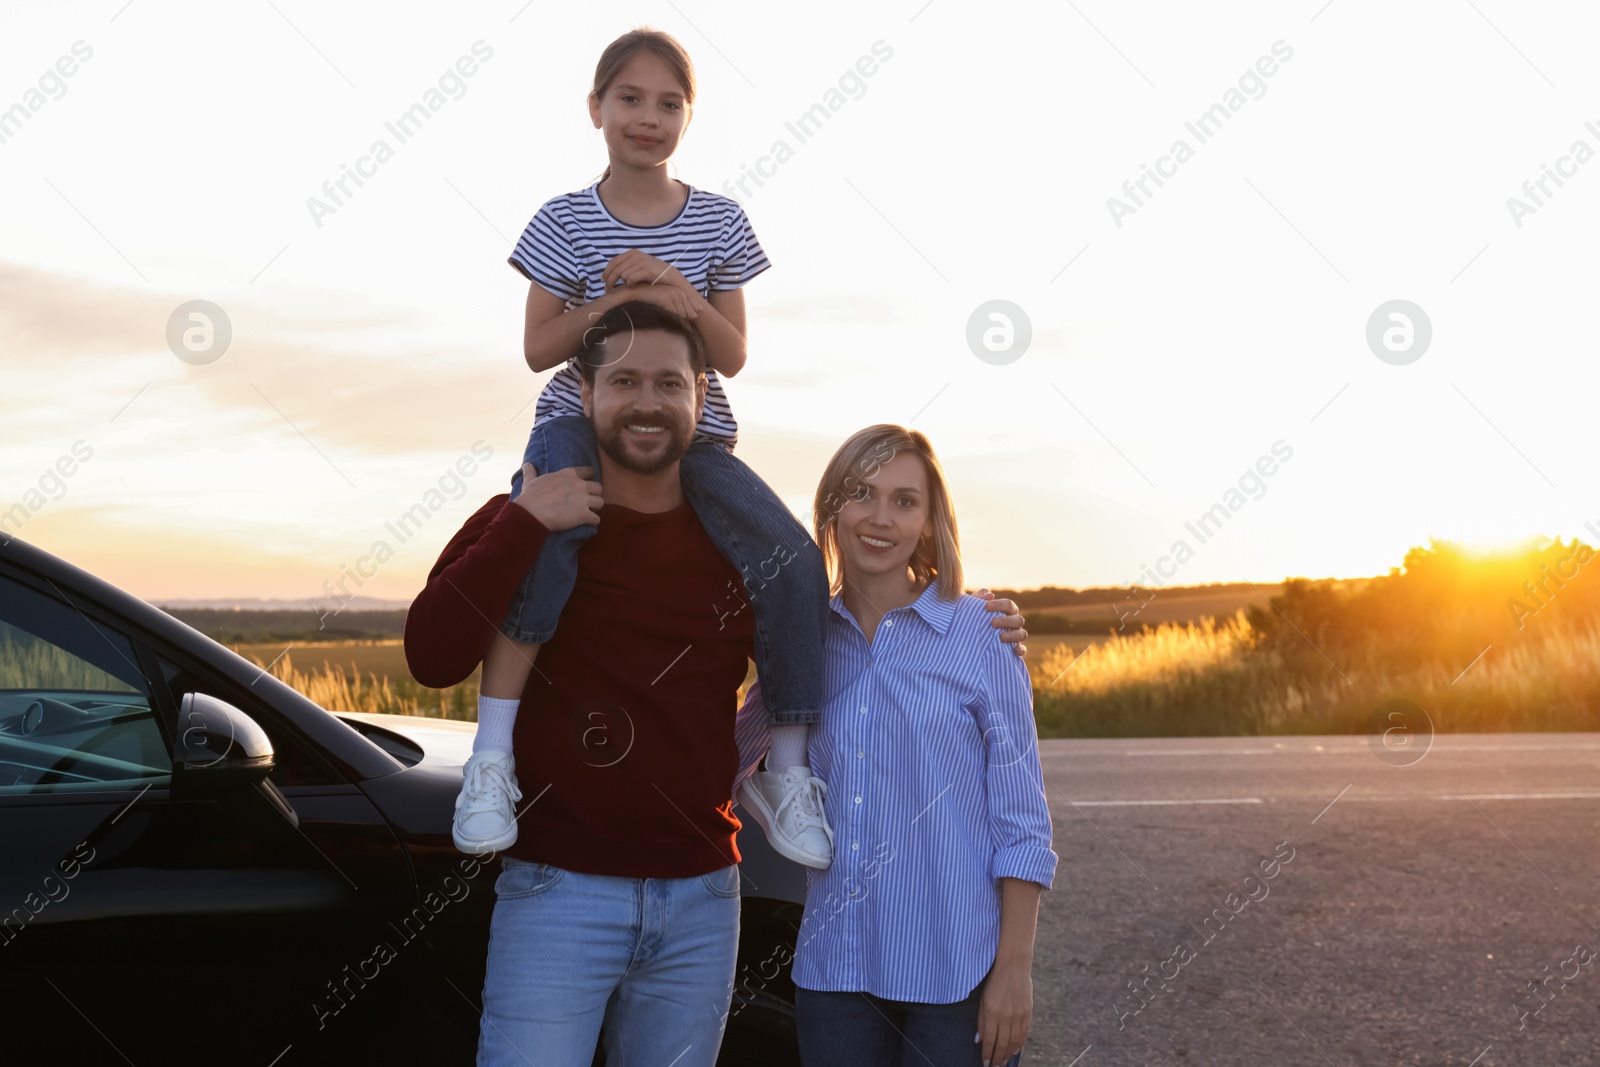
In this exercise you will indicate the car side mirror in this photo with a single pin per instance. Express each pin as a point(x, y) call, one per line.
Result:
point(220, 748)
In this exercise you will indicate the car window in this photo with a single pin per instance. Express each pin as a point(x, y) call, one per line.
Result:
point(75, 711)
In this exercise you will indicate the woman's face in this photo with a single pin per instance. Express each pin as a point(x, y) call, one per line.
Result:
point(878, 528)
point(643, 113)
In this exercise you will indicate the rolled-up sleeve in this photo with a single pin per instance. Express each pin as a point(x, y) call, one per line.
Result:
point(751, 733)
point(1019, 813)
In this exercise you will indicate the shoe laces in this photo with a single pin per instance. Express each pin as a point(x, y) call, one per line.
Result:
point(806, 797)
point(490, 786)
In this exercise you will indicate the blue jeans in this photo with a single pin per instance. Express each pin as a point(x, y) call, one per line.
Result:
point(849, 1029)
point(784, 577)
point(649, 960)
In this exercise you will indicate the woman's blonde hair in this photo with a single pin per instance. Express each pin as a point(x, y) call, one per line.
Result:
point(938, 555)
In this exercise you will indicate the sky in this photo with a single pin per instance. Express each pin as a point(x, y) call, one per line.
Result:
point(1199, 219)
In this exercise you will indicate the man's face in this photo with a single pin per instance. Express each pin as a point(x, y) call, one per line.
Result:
point(645, 401)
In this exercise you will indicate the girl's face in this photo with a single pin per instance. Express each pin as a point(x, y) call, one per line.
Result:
point(878, 527)
point(643, 113)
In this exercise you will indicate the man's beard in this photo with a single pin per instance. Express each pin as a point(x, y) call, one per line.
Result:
point(676, 433)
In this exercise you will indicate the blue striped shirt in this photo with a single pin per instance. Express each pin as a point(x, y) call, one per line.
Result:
point(565, 249)
point(928, 745)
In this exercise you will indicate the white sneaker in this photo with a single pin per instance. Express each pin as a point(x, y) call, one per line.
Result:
point(789, 808)
point(486, 816)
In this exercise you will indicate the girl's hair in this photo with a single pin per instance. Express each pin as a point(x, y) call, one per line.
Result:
point(643, 39)
point(938, 556)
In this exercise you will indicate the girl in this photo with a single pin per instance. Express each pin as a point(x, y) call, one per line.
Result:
point(638, 234)
point(920, 935)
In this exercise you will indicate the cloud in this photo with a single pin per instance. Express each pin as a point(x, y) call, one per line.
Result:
point(353, 377)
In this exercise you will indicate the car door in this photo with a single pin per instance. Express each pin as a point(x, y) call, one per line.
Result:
point(145, 919)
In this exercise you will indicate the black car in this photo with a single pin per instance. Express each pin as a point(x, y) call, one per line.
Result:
point(200, 865)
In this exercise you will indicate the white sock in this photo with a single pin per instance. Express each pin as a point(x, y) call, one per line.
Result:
point(788, 748)
point(496, 717)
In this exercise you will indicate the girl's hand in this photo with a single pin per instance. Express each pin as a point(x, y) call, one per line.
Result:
point(1005, 1012)
point(634, 267)
point(670, 297)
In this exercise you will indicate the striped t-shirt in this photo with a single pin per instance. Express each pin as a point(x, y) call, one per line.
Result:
point(566, 247)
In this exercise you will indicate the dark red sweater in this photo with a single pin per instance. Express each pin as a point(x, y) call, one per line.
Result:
point(628, 715)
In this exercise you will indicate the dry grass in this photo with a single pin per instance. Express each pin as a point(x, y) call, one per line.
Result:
point(1191, 679)
point(335, 689)
point(1496, 642)
point(1220, 678)
point(27, 662)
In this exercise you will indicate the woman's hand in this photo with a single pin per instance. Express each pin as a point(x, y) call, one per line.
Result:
point(634, 267)
point(1009, 623)
point(1005, 1011)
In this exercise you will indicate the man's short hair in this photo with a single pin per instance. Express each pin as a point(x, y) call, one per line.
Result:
point(609, 338)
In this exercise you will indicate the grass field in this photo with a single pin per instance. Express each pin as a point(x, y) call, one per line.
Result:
point(1215, 678)
point(386, 659)
point(1155, 606)
point(1319, 656)
point(368, 676)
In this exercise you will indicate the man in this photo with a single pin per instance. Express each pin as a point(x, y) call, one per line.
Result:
point(618, 906)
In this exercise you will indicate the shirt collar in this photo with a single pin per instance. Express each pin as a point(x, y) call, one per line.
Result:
point(935, 612)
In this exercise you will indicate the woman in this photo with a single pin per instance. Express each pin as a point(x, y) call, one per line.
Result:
point(917, 942)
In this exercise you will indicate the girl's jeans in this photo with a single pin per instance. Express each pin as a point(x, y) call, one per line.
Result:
point(784, 577)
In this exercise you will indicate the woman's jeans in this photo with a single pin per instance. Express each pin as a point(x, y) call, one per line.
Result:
point(651, 960)
point(850, 1029)
point(784, 577)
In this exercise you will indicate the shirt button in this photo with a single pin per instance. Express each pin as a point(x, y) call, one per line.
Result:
point(863, 709)
point(858, 800)
point(860, 754)
point(854, 845)
point(888, 622)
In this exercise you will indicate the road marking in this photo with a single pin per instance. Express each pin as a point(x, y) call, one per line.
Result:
point(1147, 803)
point(1108, 840)
point(1483, 796)
point(1054, 750)
point(1205, 751)
point(1377, 798)
point(1502, 833)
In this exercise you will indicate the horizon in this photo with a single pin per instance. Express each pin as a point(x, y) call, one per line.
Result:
point(1485, 557)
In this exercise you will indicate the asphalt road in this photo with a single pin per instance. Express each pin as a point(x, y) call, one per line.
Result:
point(1419, 903)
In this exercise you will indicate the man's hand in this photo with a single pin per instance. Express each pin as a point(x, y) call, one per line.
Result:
point(1010, 623)
point(634, 267)
point(563, 499)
